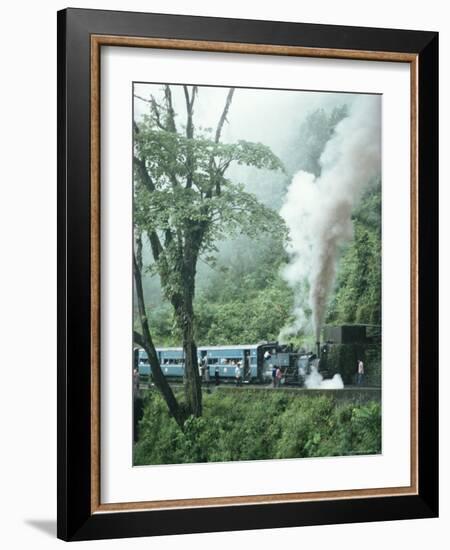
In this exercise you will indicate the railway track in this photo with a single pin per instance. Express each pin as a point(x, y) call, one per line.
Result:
point(348, 393)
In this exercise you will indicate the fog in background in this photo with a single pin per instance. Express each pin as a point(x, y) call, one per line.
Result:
point(276, 119)
point(272, 117)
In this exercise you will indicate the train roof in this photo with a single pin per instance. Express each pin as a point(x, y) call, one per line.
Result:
point(240, 346)
point(206, 348)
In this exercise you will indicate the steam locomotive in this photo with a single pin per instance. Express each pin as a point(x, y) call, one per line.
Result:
point(257, 362)
point(341, 348)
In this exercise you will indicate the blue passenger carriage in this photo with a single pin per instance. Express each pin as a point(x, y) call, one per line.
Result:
point(256, 361)
point(170, 359)
point(141, 362)
point(223, 360)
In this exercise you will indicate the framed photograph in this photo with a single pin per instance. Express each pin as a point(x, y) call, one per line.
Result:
point(247, 252)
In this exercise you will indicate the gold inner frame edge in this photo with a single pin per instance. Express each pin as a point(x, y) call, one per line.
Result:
point(262, 49)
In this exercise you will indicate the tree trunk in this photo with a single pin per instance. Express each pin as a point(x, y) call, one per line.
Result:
point(192, 381)
point(145, 340)
point(184, 313)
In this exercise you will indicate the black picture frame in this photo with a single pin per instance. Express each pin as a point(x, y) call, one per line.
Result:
point(76, 521)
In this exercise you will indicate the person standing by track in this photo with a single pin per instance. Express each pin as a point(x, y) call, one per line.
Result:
point(278, 376)
point(360, 373)
point(238, 374)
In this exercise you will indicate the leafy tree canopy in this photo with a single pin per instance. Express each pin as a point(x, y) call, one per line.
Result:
point(183, 194)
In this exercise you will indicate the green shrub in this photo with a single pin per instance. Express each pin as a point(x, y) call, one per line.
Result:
point(257, 425)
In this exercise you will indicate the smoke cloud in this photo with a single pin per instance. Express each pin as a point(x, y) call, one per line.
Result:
point(318, 210)
point(315, 381)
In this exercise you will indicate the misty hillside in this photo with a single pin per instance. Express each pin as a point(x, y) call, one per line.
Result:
point(252, 289)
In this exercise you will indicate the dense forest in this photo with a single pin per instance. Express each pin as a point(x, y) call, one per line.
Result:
point(242, 296)
point(252, 426)
point(250, 229)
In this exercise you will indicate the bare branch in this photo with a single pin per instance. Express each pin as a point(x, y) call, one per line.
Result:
point(189, 112)
point(215, 173)
point(224, 114)
point(189, 134)
point(171, 126)
point(142, 98)
point(156, 114)
point(187, 98)
point(155, 109)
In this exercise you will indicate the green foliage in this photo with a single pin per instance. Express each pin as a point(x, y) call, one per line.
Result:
point(189, 187)
point(257, 317)
point(184, 202)
point(358, 290)
point(343, 359)
point(167, 152)
point(253, 425)
point(242, 297)
point(246, 299)
point(373, 365)
point(164, 328)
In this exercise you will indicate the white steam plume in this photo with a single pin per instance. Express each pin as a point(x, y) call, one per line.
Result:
point(318, 210)
point(315, 381)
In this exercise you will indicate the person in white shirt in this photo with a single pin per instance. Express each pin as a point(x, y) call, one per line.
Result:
point(360, 372)
point(238, 374)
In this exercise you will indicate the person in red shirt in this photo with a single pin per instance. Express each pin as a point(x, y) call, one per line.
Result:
point(278, 376)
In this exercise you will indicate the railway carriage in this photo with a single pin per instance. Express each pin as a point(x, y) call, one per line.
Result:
point(224, 360)
point(170, 359)
point(341, 348)
point(256, 361)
